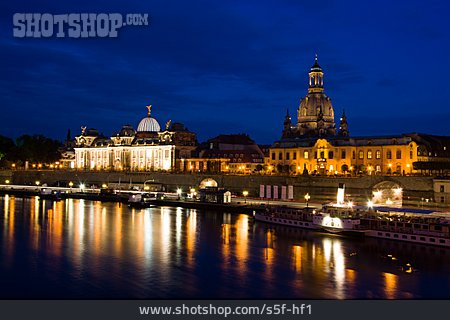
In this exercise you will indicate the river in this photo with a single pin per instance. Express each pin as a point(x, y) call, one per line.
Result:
point(79, 249)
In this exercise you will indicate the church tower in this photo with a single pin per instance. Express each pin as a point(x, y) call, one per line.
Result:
point(316, 113)
point(287, 127)
point(343, 127)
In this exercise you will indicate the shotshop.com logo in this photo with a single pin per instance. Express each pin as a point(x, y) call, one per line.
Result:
point(74, 25)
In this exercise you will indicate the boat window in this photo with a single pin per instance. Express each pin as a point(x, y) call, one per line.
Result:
point(404, 236)
point(417, 226)
point(422, 238)
point(395, 235)
point(438, 228)
point(432, 240)
point(441, 241)
point(388, 235)
point(413, 237)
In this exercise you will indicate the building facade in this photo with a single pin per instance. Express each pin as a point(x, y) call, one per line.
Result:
point(146, 149)
point(234, 153)
point(314, 146)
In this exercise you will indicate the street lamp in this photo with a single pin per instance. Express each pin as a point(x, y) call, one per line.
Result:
point(307, 197)
point(179, 191)
point(82, 186)
point(7, 181)
point(370, 204)
point(38, 182)
point(245, 194)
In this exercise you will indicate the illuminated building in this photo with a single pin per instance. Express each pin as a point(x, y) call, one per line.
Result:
point(234, 153)
point(313, 145)
point(146, 149)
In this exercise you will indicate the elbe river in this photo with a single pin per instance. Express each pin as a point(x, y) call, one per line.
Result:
point(79, 249)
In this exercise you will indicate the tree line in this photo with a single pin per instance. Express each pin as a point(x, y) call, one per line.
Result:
point(31, 148)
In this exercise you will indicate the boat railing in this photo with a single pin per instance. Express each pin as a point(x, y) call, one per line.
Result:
point(412, 231)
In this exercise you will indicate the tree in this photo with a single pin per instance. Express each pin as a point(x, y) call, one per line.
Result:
point(36, 148)
point(6, 145)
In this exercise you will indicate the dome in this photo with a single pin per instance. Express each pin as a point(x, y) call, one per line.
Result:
point(148, 124)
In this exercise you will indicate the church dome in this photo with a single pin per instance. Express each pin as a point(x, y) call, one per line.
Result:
point(148, 124)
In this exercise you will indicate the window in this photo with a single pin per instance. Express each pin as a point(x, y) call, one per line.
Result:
point(273, 155)
point(389, 154)
point(288, 155)
point(322, 154)
point(354, 155)
point(330, 155)
point(343, 155)
point(378, 154)
point(441, 188)
point(410, 154)
point(378, 168)
point(399, 154)
point(294, 155)
point(306, 154)
point(369, 154)
point(361, 155)
point(315, 154)
point(280, 156)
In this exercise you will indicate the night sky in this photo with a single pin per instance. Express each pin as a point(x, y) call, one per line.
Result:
point(230, 67)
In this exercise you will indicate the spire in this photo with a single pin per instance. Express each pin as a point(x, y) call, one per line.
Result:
point(287, 125)
point(343, 127)
point(149, 108)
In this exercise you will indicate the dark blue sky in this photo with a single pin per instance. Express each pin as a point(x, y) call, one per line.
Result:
point(230, 66)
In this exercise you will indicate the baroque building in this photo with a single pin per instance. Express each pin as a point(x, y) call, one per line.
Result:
point(313, 145)
point(148, 148)
point(315, 114)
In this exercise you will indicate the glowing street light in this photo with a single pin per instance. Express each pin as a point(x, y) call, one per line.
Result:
point(82, 186)
point(397, 191)
point(71, 184)
point(7, 181)
point(307, 197)
point(350, 204)
point(245, 194)
point(104, 186)
point(38, 182)
point(370, 204)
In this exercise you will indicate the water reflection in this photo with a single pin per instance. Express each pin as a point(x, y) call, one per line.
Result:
point(106, 250)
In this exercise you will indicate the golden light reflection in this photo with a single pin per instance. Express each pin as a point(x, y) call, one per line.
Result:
point(118, 228)
point(350, 276)
point(390, 285)
point(269, 249)
point(10, 217)
point(191, 227)
point(242, 241)
point(226, 233)
point(297, 257)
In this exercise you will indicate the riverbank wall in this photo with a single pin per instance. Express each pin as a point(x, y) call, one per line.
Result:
point(321, 189)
